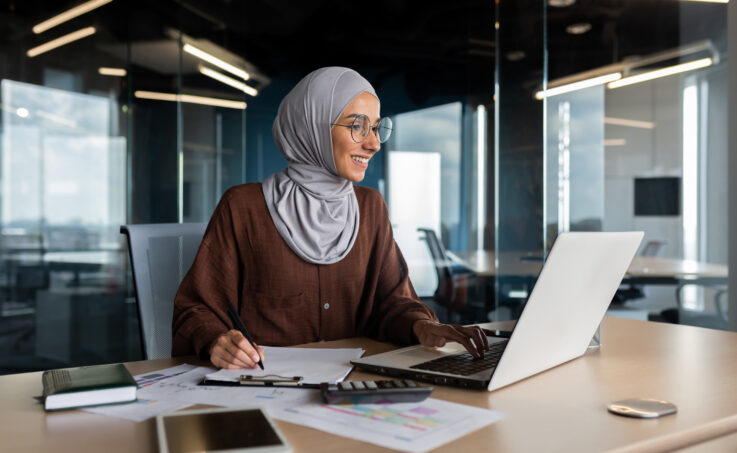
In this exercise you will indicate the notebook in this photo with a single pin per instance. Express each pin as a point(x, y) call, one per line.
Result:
point(565, 307)
point(87, 386)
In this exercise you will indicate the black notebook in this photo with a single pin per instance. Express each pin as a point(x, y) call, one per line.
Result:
point(87, 386)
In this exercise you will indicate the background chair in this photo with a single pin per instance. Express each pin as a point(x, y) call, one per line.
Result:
point(160, 255)
point(632, 292)
point(454, 282)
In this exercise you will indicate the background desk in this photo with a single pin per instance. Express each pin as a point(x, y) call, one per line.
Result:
point(643, 268)
point(520, 270)
point(563, 409)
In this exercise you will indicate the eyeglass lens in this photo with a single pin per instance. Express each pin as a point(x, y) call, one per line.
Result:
point(362, 125)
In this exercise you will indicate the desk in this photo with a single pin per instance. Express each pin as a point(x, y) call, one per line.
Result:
point(521, 269)
point(563, 409)
point(643, 268)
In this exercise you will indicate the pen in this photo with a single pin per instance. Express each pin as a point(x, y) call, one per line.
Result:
point(240, 326)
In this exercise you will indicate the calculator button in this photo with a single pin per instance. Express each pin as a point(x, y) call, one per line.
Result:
point(358, 385)
point(371, 385)
point(410, 384)
point(398, 384)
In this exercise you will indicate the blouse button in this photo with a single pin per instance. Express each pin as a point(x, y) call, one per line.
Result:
point(326, 306)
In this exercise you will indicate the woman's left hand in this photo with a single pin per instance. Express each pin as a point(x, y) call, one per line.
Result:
point(435, 334)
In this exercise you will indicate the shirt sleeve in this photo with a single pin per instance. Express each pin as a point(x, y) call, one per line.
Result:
point(200, 313)
point(396, 305)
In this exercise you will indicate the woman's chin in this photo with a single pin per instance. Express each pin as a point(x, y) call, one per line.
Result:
point(357, 178)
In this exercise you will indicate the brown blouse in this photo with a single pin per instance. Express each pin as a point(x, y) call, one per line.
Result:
point(284, 300)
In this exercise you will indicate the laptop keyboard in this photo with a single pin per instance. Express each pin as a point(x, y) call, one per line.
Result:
point(465, 364)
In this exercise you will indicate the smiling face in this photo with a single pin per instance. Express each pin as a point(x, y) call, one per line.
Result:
point(351, 158)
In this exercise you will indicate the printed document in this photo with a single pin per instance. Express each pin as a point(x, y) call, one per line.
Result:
point(148, 404)
point(314, 365)
point(412, 427)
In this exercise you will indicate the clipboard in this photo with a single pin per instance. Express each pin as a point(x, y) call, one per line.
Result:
point(269, 380)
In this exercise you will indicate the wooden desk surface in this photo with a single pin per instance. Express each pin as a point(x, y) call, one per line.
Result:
point(563, 409)
point(482, 263)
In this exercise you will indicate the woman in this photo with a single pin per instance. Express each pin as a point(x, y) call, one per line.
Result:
point(306, 256)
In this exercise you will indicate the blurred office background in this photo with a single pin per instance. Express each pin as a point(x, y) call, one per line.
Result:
point(509, 129)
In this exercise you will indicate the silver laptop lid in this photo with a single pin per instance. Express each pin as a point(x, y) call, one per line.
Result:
point(569, 300)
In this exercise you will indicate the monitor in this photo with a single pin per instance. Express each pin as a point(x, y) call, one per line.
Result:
point(660, 196)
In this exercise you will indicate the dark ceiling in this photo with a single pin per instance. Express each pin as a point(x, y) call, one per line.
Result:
point(445, 47)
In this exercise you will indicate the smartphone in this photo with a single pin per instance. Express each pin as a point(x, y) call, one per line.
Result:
point(246, 430)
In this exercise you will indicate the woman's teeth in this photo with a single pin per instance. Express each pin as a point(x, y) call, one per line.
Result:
point(363, 160)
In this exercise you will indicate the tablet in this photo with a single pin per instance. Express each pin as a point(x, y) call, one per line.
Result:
point(244, 429)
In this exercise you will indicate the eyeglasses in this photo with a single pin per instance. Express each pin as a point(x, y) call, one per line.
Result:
point(361, 125)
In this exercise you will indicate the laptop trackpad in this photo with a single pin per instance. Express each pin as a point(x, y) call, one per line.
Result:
point(424, 353)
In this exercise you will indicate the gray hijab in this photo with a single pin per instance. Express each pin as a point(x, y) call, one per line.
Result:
point(314, 209)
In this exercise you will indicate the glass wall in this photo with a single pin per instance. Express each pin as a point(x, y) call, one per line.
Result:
point(64, 177)
point(631, 99)
point(140, 112)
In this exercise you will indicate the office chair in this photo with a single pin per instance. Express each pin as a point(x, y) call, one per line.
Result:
point(160, 255)
point(453, 281)
point(632, 292)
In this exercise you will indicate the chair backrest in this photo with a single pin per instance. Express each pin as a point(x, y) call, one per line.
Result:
point(160, 254)
point(446, 286)
point(652, 248)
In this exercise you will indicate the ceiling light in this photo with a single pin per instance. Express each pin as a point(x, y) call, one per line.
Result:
point(118, 72)
point(581, 84)
point(578, 29)
point(515, 55)
point(708, 1)
point(628, 123)
point(189, 48)
point(58, 42)
point(615, 141)
point(190, 99)
point(70, 14)
point(671, 70)
point(220, 77)
point(561, 3)
point(22, 112)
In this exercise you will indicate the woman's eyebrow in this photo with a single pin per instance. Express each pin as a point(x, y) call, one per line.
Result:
point(354, 115)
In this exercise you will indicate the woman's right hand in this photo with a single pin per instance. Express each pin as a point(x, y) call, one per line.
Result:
point(231, 350)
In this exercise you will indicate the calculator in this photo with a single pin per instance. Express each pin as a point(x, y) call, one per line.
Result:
point(374, 392)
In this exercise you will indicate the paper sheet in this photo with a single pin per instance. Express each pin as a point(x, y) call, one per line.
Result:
point(146, 406)
point(183, 388)
point(315, 365)
point(141, 410)
point(175, 388)
point(413, 427)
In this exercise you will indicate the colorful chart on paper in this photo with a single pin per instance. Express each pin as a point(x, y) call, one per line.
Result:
point(407, 426)
point(418, 418)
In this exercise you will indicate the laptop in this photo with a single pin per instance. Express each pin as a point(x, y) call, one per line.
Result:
point(569, 300)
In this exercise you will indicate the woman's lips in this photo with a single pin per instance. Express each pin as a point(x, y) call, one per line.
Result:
point(360, 161)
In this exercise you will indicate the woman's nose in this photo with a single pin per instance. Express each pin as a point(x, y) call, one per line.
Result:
point(372, 142)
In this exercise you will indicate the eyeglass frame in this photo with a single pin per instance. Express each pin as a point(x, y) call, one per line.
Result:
point(359, 116)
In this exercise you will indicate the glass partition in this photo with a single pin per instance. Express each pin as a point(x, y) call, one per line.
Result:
point(632, 114)
point(424, 164)
point(146, 112)
point(64, 176)
point(519, 153)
